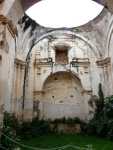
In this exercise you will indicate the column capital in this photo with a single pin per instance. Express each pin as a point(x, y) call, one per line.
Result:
point(11, 27)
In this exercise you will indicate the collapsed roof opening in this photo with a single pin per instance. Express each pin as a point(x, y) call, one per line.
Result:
point(61, 13)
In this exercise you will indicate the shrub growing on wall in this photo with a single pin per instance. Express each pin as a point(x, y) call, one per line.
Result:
point(102, 122)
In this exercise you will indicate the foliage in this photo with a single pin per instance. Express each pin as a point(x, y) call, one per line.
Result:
point(40, 127)
point(10, 121)
point(51, 141)
point(34, 128)
point(100, 101)
point(102, 123)
point(64, 120)
point(9, 125)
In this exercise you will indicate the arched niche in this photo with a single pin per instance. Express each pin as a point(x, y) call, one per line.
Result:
point(62, 97)
point(62, 87)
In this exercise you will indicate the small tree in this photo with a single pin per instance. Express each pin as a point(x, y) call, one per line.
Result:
point(100, 101)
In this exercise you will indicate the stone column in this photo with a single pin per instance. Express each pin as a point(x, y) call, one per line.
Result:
point(16, 89)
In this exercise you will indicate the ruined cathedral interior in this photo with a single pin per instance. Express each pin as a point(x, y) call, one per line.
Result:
point(53, 72)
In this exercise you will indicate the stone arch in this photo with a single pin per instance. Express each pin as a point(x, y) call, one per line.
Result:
point(62, 96)
point(68, 32)
point(73, 74)
point(47, 34)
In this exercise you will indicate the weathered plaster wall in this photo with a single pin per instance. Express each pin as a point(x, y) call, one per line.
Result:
point(93, 41)
point(108, 71)
point(7, 53)
point(62, 96)
point(40, 69)
point(12, 9)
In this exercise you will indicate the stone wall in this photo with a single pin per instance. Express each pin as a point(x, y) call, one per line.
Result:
point(7, 57)
point(50, 85)
point(26, 64)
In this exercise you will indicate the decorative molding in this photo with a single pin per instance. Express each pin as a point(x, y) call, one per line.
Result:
point(104, 62)
point(43, 61)
point(89, 92)
point(61, 47)
point(19, 62)
point(5, 21)
point(80, 62)
point(38, 93)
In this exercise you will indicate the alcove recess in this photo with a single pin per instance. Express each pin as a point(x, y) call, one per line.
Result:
point(61, 53)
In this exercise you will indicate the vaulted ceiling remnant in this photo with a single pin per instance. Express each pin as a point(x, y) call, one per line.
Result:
point(31, 31)
point(28, 3)
point(107, 3)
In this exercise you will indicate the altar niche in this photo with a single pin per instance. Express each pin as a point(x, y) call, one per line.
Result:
point(62, 97)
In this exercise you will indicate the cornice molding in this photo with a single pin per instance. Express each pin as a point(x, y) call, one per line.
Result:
point(20, 62)
point(103, 62)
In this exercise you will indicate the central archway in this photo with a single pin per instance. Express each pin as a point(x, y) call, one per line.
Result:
point(62, 97)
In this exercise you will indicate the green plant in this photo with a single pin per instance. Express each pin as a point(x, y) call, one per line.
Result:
point(67, 120)
point(34, 128)
point(100, 101)
point(40, 127)
point(102, 123)
point(10, 125)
